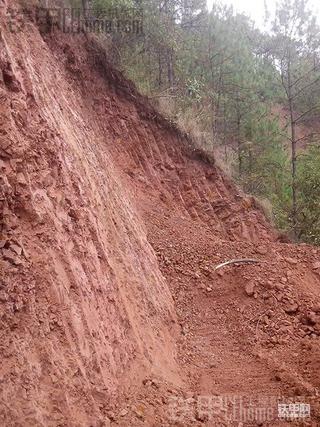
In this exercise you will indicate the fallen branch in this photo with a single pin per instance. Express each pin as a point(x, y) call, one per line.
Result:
point(238, 261)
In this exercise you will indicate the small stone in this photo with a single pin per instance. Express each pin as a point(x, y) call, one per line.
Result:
point(21, 179)
point(317, 328)
point(249, 288)
point(16, 249)
point(209, 289)
point(2, 165)
point(316, 265)
point(11, 257)
point(279, 287)
point(111, 416)
point(311, 318)
point(2, 243)
point(123, 413)
point(146, 382)
point(201, 417)
point(270, 285)
point(291, 308)
point(265, 295)
point(138, 412)
point(262, 250)
point(278, 377)
point(316, 308)
point(4, 297)
point(25, 253)
point(155, 383)
point(292, 261)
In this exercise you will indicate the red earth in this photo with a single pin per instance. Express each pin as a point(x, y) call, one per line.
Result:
point(111, 225)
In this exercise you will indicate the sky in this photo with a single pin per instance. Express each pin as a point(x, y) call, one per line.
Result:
point(255, 8)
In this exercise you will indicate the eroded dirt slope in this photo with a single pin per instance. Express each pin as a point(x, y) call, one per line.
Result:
point(111, 311)
point(85, 310)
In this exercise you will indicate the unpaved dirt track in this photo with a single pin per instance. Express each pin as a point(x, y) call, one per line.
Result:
point(111, 312)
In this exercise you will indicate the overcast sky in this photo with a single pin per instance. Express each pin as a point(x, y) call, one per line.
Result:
point(255, 8)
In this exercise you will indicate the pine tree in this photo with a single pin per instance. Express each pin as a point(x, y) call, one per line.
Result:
point(294, 30)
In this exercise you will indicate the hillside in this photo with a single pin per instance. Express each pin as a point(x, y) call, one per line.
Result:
point(111, 311)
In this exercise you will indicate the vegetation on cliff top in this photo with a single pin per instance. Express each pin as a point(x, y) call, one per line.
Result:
point(252, 97)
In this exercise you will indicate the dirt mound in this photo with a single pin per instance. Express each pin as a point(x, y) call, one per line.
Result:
point(111, 310)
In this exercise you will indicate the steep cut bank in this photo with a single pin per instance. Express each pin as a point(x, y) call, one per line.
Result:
point(111, 224)
point(85, 310)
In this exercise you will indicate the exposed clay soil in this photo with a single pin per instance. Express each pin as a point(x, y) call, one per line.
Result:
point(111, 311)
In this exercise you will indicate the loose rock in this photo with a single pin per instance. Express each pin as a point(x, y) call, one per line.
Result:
point(249, 288)
point(8, 255)
point(291, 308)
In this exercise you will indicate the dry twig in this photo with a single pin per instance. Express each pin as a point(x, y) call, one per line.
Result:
point(238, 261)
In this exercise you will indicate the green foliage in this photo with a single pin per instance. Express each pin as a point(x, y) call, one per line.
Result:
point(224, 75)
point(309, 195)
point(108, 4)
point(266, 167)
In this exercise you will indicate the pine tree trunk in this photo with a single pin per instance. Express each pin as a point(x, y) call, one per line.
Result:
point(293, 152)
point(293, 170)
point(159, 70)
point(170, 68)
point(239, 144)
